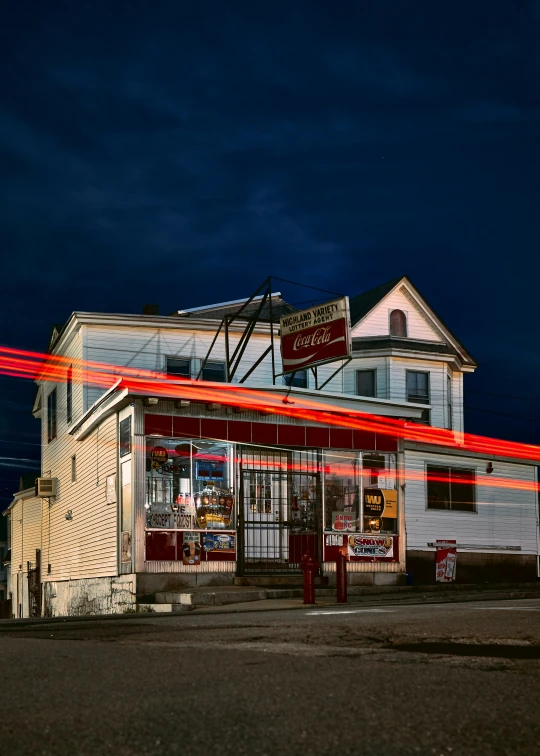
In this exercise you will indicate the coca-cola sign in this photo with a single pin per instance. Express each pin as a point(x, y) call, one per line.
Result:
point(315, 336)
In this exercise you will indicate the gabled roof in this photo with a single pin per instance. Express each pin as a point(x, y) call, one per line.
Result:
point(27, 480)
point(55, 333)
point(362, 304)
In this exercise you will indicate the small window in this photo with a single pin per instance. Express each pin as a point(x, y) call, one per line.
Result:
point(398, 323)
point(178, 366)
point(451, 488)
point(418, 391)
point(125, 436)
point(214, 371)
point(366, 382)
point(69, 394)
point(298, 379)
point(74, 469)
point(51, 416)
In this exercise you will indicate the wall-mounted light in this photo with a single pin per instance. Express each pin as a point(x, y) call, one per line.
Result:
point(151, 401)
point(182, 403)
point(213, 406)
point(489, 468)
point(69, 515)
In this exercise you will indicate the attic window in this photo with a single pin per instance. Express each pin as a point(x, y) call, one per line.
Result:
point(398, 323)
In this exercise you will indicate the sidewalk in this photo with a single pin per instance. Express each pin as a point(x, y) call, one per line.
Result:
point(281, 599)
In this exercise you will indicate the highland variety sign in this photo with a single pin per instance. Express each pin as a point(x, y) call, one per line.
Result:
point(315, 336)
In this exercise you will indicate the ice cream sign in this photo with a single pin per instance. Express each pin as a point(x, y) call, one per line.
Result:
point(371, 546)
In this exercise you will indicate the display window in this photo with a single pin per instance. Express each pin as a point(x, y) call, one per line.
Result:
point(189, 486)
point(360, 494)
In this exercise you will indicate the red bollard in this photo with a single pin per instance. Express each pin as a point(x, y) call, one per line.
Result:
point(309, 566)
point(341, 575)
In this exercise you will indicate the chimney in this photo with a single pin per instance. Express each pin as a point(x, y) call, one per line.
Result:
point(150, 309)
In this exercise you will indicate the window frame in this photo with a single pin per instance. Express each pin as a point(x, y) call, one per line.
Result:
point(367, 370)
point(427, 411)
point(291, 385)
point(449, 402)
point(474, 476)
point(406, 314)
point(52, 416)
point(215, 362)
point(189, 360)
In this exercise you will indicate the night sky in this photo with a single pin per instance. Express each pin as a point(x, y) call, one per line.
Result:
point(180, 152)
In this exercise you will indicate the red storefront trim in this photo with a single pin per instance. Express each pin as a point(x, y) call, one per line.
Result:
point(245, 432)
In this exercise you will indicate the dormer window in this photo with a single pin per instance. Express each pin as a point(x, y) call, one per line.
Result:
point(398, 323)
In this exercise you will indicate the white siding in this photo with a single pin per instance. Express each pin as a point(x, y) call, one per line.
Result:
point(504, 517)
point(86, 545)
point(437, 384)
point(148, 348)
point(377, 322)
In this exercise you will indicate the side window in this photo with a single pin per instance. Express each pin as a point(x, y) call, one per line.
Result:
point(451, 488)
point(418, 391)
point(51, 416)
point(125, 436)
point(178, 366)
point(449, 400)
point(74, 469)
point(398, 323)
point(298, 379)
point(366, 382)
point(214, 371)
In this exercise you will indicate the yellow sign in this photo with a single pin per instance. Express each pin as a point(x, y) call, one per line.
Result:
point(390, 502)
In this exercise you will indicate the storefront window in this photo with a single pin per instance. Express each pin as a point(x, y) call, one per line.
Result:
point(189, 485)
point(360, 494)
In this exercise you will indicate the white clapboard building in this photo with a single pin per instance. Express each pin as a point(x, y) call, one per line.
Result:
point(153, 493)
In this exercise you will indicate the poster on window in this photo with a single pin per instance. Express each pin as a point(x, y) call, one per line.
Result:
point(445, 561)
point(344, 521)
point(191, 548)
point(220, 542)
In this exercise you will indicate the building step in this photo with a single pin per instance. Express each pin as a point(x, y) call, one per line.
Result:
point(277, 581)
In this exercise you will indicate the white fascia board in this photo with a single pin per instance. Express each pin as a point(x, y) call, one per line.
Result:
point(165, 322)
point(450, 359)
point(456, 451)
point(107, 404)
point(220, 305)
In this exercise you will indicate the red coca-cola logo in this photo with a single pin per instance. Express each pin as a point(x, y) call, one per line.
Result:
point(320, 336)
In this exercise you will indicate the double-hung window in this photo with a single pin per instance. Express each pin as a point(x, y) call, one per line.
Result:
point(178, 366)
point(51, 416)
point(418, 391)
point(214, 371)
point(451, 488)
point(298, 379)
point(366, 382)
point(449, 407)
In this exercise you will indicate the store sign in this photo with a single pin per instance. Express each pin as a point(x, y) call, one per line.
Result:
point(445, 561)
point(315, 336)
point(371, 546)
point(159, 456)
point(170, 520)
point(380, 502)
point(344, 521)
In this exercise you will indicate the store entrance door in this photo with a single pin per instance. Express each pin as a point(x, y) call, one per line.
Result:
point(280, 509)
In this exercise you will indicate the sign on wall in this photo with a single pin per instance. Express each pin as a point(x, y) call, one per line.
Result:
point(445, 561)
point(371, 546)
point(315, 336)
point(380, 502)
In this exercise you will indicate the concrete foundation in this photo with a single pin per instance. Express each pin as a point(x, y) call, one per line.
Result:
point(473, 567)
point(150, 583)
point(106, 595)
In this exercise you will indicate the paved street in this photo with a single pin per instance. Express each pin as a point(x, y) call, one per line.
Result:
point(392, 679)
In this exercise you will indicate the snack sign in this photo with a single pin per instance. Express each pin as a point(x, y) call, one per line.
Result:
point(371, 546)
point(315, 336)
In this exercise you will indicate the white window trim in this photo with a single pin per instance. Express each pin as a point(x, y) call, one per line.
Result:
point(365, 370)
point(452, 467)
point(406, 313)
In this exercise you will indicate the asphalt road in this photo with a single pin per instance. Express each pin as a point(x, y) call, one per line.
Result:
point(393, 679)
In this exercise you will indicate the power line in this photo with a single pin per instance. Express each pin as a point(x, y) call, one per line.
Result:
point(503, 414)
point(504, 396)
point(315, 288)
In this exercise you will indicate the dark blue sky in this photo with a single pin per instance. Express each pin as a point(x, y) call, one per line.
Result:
point(179, 152)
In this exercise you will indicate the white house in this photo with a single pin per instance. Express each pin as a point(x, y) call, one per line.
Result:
point(155, 492)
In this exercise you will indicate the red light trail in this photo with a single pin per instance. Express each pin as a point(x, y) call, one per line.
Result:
point(54, 368)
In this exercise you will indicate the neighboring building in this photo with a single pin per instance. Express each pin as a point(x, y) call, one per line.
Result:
point(3, 555)
point(158, 494)
point(23, 522)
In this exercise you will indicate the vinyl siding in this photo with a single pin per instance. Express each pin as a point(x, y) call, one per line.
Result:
point(504, 517)
point(377, 322)
point(380, 364)
point(25, 518)
point(148, 348)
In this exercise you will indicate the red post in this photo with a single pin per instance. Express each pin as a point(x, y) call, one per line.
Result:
point(341, 576)
point(309, 566)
